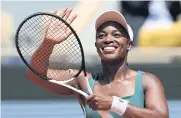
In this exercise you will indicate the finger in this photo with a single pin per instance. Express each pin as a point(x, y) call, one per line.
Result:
point(63, 12)
point(68, 32)
point(89, 98)
point(93, 105)
point(66, 15)
point(70, 20)
point(90, 103)
point(50, 20)
point(55, 11)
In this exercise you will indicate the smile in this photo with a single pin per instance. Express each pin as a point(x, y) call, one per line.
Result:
point(109, 49)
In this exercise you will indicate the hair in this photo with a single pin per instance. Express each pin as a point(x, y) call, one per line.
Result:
point(121, 29)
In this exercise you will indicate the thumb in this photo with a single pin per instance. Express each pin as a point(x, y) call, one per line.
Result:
point(90, 97)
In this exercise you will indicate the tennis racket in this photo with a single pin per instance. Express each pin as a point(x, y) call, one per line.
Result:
point(65, 55)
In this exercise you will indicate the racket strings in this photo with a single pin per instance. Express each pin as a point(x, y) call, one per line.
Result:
point(65, 55)
point(69, 56)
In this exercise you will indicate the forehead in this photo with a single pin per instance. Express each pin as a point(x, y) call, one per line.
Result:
point(111, 23)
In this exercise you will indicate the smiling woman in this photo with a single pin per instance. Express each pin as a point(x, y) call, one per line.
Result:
point(112, 38)
point(121, 91)
point(131, 91)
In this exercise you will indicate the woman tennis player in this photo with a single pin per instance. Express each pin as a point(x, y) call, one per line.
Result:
point(118, 89)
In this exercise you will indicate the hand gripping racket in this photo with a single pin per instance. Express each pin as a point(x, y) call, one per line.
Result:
point(65, 54)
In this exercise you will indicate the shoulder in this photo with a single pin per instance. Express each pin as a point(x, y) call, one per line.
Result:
point(94, 76)
point(81, 80)
point(150, 80)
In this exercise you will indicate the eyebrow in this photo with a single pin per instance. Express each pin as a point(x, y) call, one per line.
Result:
point(116, 31)
point(113, 31)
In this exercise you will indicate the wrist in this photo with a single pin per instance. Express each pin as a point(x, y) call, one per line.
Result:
point(47, 46)
point(119, 105)
point(49, 42)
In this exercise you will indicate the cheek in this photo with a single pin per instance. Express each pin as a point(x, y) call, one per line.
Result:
point(122, 50)
point(97, 45)
point(98, 48)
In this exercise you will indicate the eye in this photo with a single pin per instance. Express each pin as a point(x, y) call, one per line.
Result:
point(117, 35)
point(101, 35)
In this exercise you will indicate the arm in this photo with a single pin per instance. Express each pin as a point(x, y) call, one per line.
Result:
point(43, 53)
point(155, 101)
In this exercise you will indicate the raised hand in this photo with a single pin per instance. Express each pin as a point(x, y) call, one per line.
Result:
point(58, 31)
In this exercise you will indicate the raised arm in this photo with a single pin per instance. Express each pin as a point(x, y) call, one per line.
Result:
point(40, 58)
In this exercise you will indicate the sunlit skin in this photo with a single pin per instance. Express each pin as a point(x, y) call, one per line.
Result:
point(113, 45)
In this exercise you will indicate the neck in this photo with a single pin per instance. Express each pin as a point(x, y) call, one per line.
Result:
point(114, 71)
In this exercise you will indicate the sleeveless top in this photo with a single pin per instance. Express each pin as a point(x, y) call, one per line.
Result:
point(136, 99)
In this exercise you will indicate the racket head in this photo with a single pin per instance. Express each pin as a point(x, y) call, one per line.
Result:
point(40, 27)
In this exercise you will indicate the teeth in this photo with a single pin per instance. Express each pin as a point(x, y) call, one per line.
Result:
point(109, 48)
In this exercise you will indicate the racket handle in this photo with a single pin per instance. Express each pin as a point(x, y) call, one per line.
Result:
point(88, 86)
point(68, 86)
point(104, 114)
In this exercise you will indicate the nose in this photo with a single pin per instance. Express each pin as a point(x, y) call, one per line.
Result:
point(109, 39)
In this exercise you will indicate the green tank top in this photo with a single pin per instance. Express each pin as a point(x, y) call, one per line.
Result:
point(136, 99)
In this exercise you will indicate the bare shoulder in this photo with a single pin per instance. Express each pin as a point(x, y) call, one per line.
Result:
point(151, 80)
point(154, 93)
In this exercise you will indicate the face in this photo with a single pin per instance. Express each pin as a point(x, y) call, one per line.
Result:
point(111, 42)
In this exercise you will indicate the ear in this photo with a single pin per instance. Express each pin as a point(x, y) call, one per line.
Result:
point(96, 47)
point(95, 44)
point(129, 45)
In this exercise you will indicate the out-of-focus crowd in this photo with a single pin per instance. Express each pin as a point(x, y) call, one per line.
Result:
point(155, 23)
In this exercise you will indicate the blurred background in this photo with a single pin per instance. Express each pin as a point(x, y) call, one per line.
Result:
point(157, 49)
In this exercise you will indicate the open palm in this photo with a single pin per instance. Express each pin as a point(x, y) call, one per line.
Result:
point(57, 31)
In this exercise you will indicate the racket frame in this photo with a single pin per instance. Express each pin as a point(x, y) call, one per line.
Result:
point(73, 31)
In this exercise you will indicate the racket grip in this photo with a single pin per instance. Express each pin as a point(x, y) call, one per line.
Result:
point(88, 86)
point(68, 86)
point(104, 114)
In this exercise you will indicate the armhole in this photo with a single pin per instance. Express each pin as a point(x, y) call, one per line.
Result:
point(91, 82)
point(139, 84)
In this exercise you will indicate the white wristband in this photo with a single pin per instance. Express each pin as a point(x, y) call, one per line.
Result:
point(119, 105)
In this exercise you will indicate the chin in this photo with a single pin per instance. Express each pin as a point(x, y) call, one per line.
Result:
point(112, 57)
point(109, 58)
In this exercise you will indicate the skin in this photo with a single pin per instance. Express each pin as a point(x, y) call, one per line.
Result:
point(116, 74)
